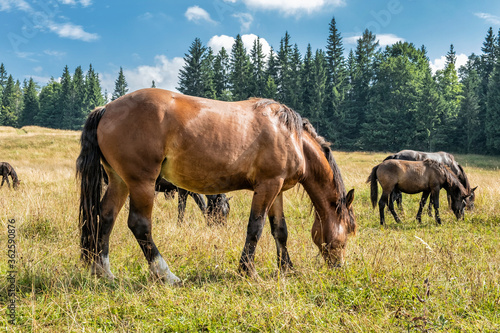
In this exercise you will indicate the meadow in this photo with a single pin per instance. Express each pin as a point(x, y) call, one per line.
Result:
point(407, 277)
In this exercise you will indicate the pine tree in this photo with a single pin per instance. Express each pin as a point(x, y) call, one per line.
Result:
point(31, 103)
point(207, 75)
point(240, 71)
point(75, 117)
point(271, 89)
point(49, 103)
point(221, 76)
point(336, 85)
point(258, 82)
point(93, 91)
point(362, 78)
point(493, 105)
point(469, 125)
point(63, 112)
point(190, 82)
point(12, 103)
point(319, 93)
point(121, 87)
point(284, 70)
point(294, 84)
point(3, 79)
point(308, 83)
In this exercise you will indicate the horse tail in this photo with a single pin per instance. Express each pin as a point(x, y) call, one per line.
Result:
point(372, 179)
point(88, 172)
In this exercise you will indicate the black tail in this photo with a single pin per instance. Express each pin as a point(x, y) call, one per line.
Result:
point(372, 179)
point(88, 171)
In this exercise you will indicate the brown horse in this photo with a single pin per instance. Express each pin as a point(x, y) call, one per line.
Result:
point(412, 177)
point(441, 157)
point(206, 146)
point(7, 170)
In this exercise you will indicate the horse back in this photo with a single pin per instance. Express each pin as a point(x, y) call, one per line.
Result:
point(201, 145)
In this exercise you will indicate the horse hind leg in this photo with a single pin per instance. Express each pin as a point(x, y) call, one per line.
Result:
point(435, 199)
point(423, 200)
point(111, 204)
point(139, 222)
point(393, 211)
point(280, 233)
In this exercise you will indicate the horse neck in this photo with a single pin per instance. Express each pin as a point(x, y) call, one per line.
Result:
point(322, 183)
point(452, 182)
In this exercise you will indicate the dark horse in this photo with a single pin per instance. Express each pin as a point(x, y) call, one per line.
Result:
point(206, 146)
point(412, 177)
point(441, 157)
point(216, 209)
point(7, 170)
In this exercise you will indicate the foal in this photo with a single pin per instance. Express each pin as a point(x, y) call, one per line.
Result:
point(413, 177)
point(7, 170)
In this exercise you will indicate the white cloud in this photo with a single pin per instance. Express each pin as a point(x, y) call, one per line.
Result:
point(7, 5)
point(293, 7)
point(489, 18)
point(164, 72)
point(84, 3)
point(69, 30)
point(439, 63)
point(197, 15)
point(245, 20)
point(53, 53)
point(383, 39)
point(217, 42)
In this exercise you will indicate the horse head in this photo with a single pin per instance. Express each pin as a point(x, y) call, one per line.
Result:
point(218, 208)
point(331, 229)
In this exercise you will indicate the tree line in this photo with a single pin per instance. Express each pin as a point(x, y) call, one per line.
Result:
point(383, 99)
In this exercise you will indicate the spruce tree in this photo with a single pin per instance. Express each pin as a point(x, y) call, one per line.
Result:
point(336, 81)
point(63, 112)
point(93, 91)
point(319, 94)
point(240, 71)
point(75, 118)
point(12, 103)
point(121, 87)
point(190, 82)
point(493, 105)
point(271, 89)
point(221, 75)
point(469, 124)
point(207, 75)
point(3, 79)
point(258, 81)
point(308, 83)
point(284, 76)
point(49, 103)
point(31, 103)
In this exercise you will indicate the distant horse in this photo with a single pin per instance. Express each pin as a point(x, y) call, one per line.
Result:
point(412, 177)
point(206, 146)
point(216, 208)
point(441, 157)
point(7, 170)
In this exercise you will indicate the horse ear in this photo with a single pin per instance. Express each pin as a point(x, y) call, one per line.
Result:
point(473, 189)
point(349, 198)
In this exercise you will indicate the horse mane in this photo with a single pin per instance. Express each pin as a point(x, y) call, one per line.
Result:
point(288, 117)
point(462, 177)
point(451, 178)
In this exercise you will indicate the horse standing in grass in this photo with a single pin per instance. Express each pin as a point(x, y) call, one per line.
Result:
point(441, 157)
point(216, 208)
point(7, 170)
point(412, 177)
point(210, 147)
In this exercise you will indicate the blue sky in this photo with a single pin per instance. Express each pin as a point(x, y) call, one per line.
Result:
point(149, 38)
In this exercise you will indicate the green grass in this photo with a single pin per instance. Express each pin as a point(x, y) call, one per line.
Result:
point(406, 277)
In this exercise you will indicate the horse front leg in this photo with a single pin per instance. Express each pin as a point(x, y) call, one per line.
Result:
point(393, 211)
point(181, 204)
point(280, 233)
point(435, 199)
point(263, 197)
point(423, 200)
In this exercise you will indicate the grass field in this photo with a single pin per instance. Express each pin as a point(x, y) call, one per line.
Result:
point(406, 277)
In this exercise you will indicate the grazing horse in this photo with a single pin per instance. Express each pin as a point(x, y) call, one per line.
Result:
point(7, 170)
point(210, 147)
point(441, 157)
point(216, 208)
point(412, 177)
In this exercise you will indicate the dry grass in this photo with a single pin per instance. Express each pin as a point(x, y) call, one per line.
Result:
point(404, 277)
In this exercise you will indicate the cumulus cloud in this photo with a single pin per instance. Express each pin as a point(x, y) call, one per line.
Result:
point(439, 63)
point(7, 5)
point(198, 14)
point(164, 72)
point(293, 7)
point(72, 31)
point(84, 3)
point(489, 18)
point(217, 42)
point(383, 39)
